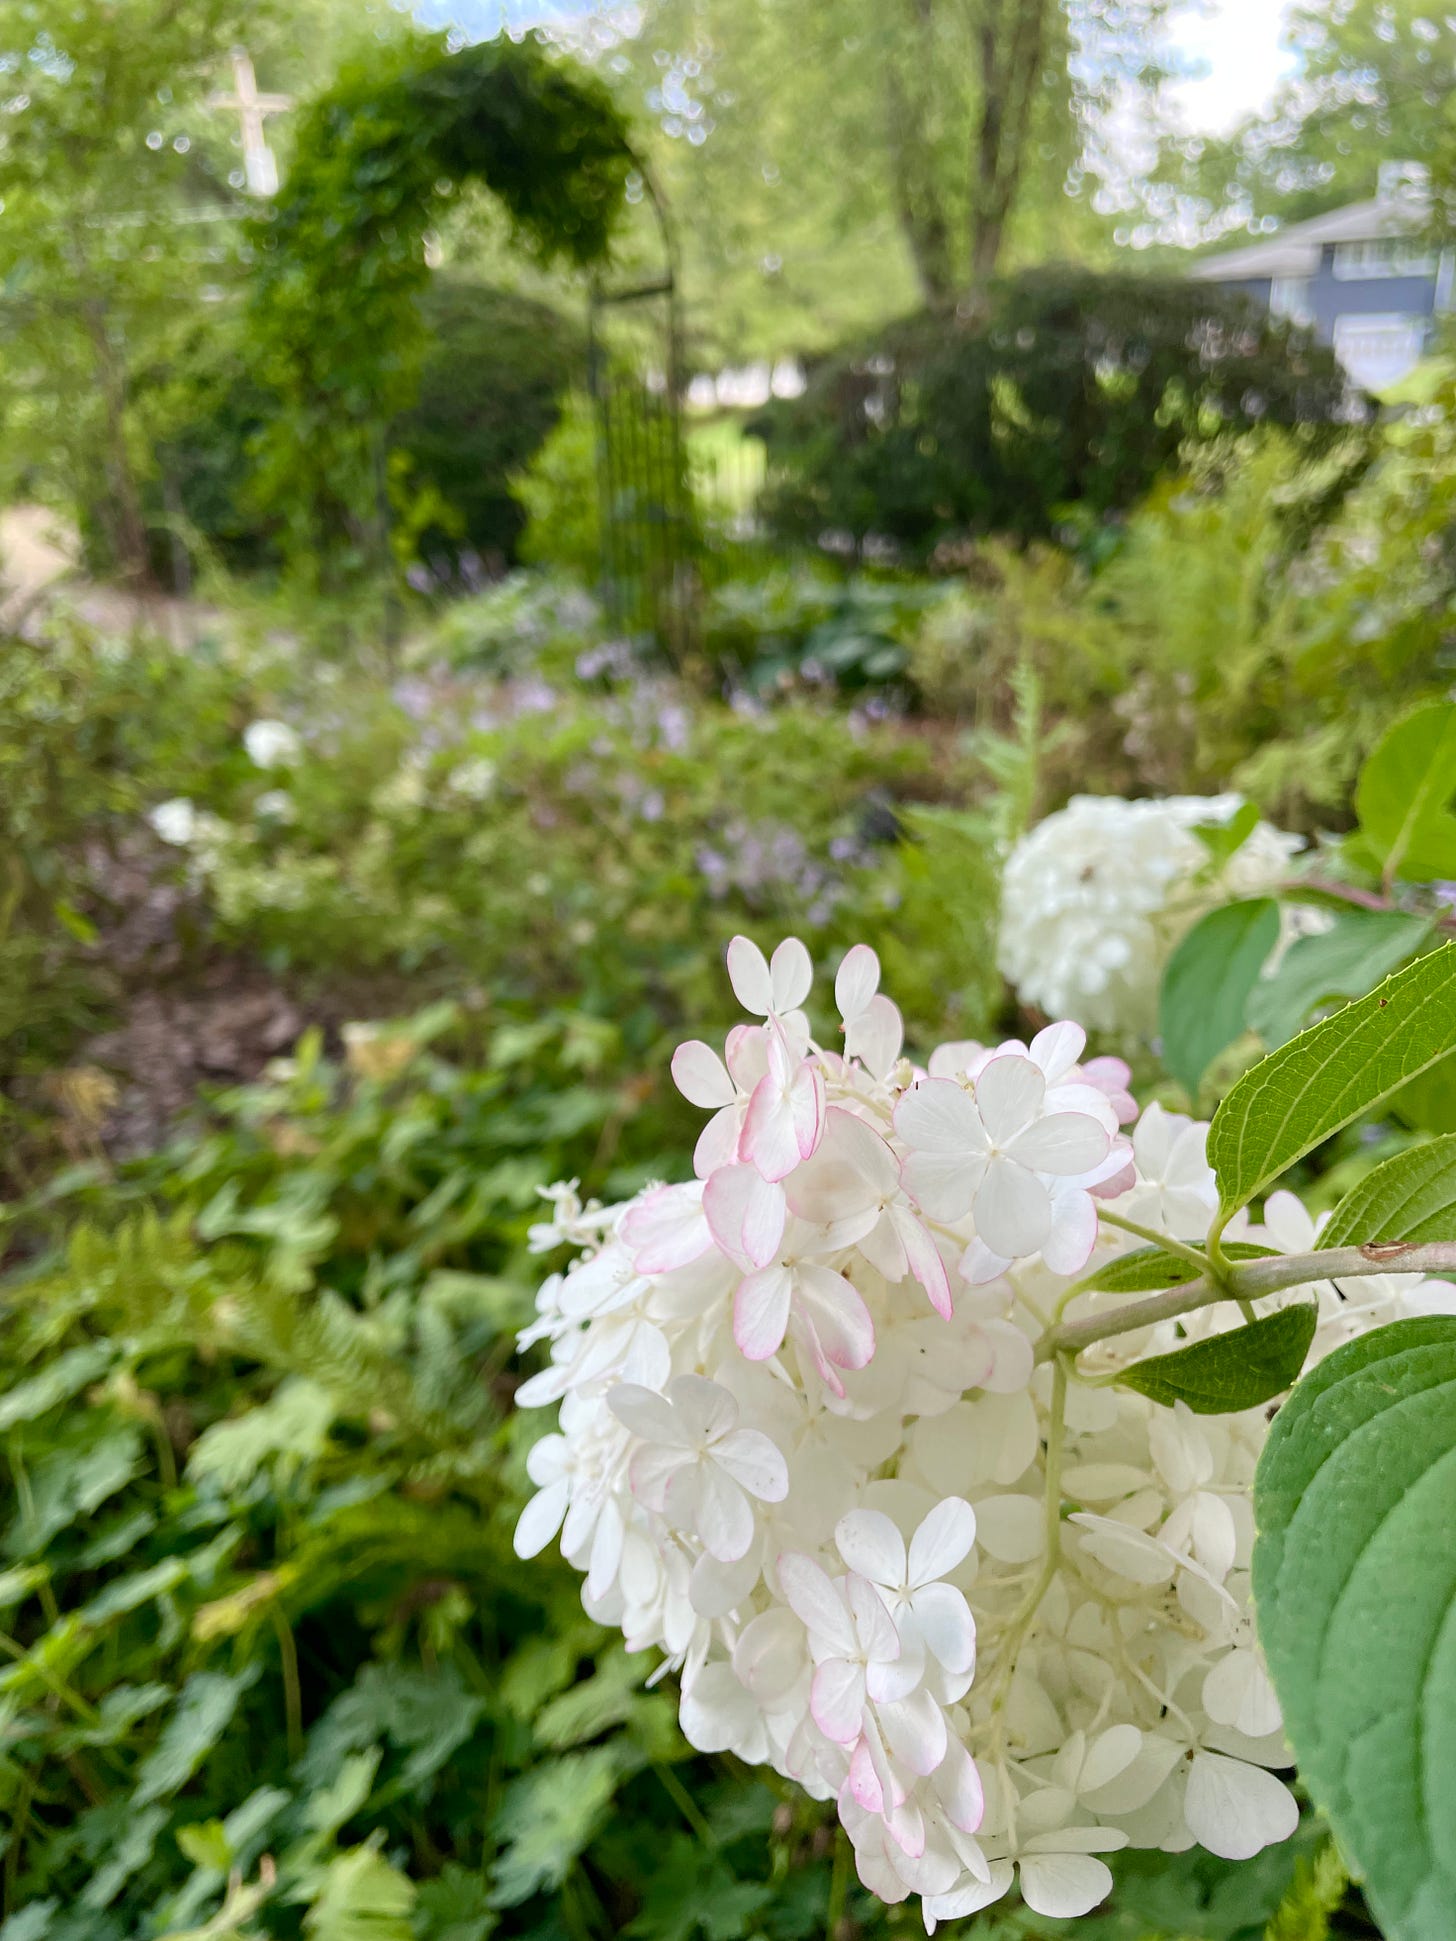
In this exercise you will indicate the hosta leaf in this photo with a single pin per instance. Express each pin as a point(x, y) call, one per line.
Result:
point(1330, 1074)
point(1404, 795)
point(1207, 984)
point(1232, 1371)
point(1409, 1197)
point(1345, 961)
point(1355, 1588)
point(1147, 1270)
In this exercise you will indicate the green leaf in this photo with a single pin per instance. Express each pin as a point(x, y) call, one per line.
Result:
point(361, 1898)
point(1148, 1270)
point(1404, 795)
point(1428, 1103)
point(66, 1376)
point(1411, 1196)
point(1330, 1074)
point(1233, 1371)
point(1223, 840)
point(1345, 961)
point(547, 1818)
point(1207, 985)
point(1355, 1588)
point(454, 1906)
point(203, 1713)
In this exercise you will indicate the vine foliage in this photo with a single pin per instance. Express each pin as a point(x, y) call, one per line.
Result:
point(335, 317)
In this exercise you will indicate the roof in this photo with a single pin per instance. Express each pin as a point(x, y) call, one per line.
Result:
point(1295, 251)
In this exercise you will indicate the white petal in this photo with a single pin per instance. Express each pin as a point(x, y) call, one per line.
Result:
point(748, 973)
point(790, 974)
point(837, 1700)
point(717, 1713)
point(1009, 1093)
point(1064, 1143)
point(754, 1463)
point(1062, 1885)
point(667, 1228)
point(1012, 1528)
point(1013, 1210)
point(943, 1184)
point(838, 1314)
point(856, 981)
point(1068, 1247)
point(761, 1309)
point(944, 1622)
point(745, 1214)
point(876, 1036)
point(870, 1545)
point(705, 1410)
point(1236, 1810)
point(1057, 1048)
point(943, 1541)
point(724, 1516)
point(915, 1731)
point(939, 1116)
point(1238, 1692)
point(770, 1138)
point(541, 1518)
point(816, 1603)
point(648, 1416)
point(701, 1076)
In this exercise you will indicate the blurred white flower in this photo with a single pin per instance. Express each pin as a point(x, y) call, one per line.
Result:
point(1097, 894)
point(271, 744)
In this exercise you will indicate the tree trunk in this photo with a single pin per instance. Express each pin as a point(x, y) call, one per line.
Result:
point(1012, 39)
point(919, 205)
point(125, 518)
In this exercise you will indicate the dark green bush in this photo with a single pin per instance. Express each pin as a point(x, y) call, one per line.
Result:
point(1074, 390)
point(495, 369)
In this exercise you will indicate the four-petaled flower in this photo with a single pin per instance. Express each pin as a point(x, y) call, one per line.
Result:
point(696, 1466)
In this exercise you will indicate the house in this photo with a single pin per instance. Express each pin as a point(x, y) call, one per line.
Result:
point(1364, 277)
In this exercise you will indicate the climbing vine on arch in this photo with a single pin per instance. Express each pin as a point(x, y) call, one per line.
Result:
point(335, 321)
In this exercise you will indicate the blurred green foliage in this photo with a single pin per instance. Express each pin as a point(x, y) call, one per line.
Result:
point(1065, 398)
point(333, 309)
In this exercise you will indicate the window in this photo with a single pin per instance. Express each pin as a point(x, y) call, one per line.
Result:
point(1382, 256)
point(1289, 297)
point(1376, 350)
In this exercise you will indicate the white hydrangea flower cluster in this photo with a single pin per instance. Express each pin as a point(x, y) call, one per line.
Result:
point(1096, 895)
point(806, 1451)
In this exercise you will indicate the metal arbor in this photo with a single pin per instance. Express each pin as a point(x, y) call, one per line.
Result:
point(648, 564)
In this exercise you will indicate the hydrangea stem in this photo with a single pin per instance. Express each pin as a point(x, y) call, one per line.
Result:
point(1249, 1280)
point(1164, 1242)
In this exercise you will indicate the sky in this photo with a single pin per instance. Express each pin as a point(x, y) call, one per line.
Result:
point(1235, 42)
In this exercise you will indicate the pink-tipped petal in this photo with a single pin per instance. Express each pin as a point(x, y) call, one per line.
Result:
point(761, 1308)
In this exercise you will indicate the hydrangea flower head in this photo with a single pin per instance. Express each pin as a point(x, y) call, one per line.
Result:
point(1096, 895)
point(805, 1452)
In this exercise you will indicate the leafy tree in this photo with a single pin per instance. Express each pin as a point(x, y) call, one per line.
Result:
point(906, 146)
point(1375, 81)
point(115, 214)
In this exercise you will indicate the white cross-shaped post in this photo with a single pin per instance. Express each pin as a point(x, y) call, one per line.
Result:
point(260, 166)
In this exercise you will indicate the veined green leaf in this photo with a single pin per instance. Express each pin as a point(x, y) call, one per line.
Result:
point(1207, 985)
point(1148, 1270)
point(1330, 1074)
point(1223, 840)
point(1355, 1588)
point(1411, 1196)
point(1345, 961)
point(203, 1714)
point(1232, 1371)
point(1404, 795)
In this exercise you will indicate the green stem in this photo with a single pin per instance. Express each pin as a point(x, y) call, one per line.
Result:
point(1250, 1280)
point(683, 1800)
point(1162, 1241)
point(292, 1690)
point(838, 1885)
